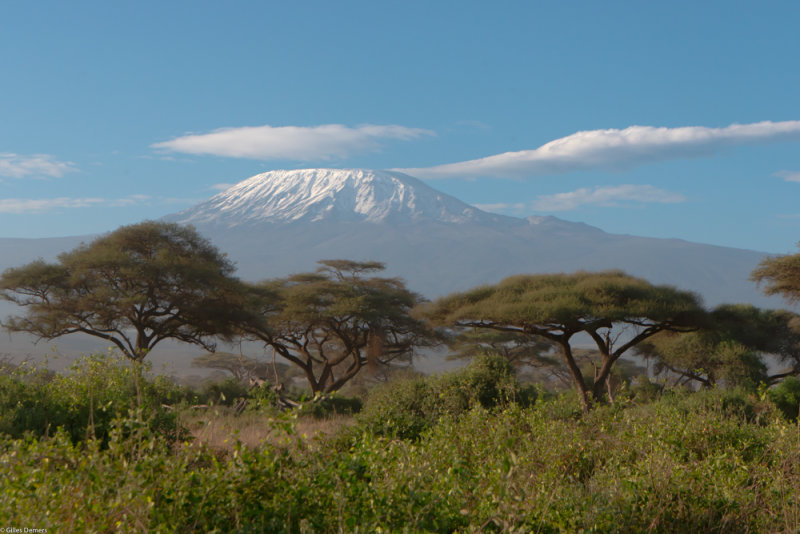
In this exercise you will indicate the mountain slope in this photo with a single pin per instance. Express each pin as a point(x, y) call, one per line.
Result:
point(281, 222)
point(285, 221)
point(315, 195)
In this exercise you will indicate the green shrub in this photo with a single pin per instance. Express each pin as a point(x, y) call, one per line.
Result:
point(786, 397)
point(84, 402)
point(225, 392)
point(331, 405)
point(404, 409)
point(263, 398)
point(674, 465)
point(736, 403)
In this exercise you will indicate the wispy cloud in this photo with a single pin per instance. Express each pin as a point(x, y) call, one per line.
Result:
point(789, 176)
point(36, 165)
point(299, 143)
point(128, 201)
point(221, 187)
point(617, 195)
point(614, 149)
point(42, 205)
point(501, 206)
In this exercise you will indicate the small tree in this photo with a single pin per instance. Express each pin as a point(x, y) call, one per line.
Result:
point(615, 310)
point(134, 287)
point(531, 356)
point(241, 367)
point(333, 322)
point(705, 358)
point(731, 347)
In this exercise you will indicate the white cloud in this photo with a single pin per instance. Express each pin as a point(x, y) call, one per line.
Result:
point(299, 143)
point(789, 176)
point(614, 149)
point(128, 201)
point(501, 206)
point(42, 205)
point(19, 166)
point(221, 187)
point(617, 195)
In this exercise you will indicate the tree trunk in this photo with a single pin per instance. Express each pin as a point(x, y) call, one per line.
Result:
point(577, 376)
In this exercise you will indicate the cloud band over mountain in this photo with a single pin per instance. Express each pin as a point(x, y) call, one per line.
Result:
point(614, 149)
point(300, 143)
point(616, 195)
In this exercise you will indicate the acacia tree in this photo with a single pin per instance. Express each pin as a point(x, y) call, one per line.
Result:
point(731, 347)
point(527, 354)
point(780, 276)
point(241, 367)
point(615, 310)
point(333, 322)
point(134, 288)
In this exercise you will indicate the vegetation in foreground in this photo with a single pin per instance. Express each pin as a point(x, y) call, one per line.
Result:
point(484, 456)
point(107, 447)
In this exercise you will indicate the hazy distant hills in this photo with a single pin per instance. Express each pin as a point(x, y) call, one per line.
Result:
point(282, 222)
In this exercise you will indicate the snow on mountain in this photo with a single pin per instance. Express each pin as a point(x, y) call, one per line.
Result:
point(283, 222)
point(332, 194)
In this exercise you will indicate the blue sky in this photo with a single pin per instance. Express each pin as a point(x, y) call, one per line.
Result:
point(669, 119)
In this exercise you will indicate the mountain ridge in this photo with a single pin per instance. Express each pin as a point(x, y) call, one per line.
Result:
point(315, 195)
point(437, 243)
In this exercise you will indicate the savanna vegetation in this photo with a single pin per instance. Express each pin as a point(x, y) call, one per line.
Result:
point(550, 426)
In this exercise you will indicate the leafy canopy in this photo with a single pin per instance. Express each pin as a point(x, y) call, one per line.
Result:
point(134, 287)
point(616, 310)
point(780, 276)
point(731, 347)
point(332, 322)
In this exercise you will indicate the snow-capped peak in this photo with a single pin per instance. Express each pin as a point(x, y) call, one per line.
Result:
point(331, 194)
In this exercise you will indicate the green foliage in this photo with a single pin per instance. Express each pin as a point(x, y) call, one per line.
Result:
point(223, 392)
point(329, 405)
point(406, 408)
point(333, 322)
point(687, 462)
point(559, 306)
point(85, 402)
point(786, 397)
point(133, 288)
point(731, 348)
point(780, 276)
point(263, 398)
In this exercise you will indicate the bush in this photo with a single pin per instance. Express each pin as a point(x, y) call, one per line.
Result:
point(96, 390)
point(733, 403)
point(786, 397)
point(224, 392)
point(406, 408)
point(655, 467)
point(331, 405)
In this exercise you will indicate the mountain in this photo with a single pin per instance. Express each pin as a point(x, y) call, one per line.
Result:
point(280, 222)
point(332, 195)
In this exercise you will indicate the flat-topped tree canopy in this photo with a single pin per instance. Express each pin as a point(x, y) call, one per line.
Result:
point(332, 322)
point(134, 287)
point(615, 309)
point(780, 275)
